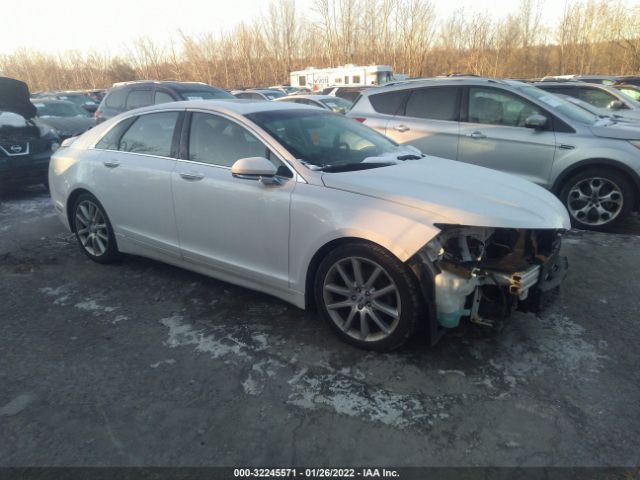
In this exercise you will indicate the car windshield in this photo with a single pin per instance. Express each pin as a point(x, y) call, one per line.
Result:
point(62, 109)
point(212, 94)
point(326, 139)
point(555, 103)
point(337, 104)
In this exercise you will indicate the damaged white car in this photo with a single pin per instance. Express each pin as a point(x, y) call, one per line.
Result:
point(316, 209)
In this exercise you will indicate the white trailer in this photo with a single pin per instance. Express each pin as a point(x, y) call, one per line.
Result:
point(347, 75)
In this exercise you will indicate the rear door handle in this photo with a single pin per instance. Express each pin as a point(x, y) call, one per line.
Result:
point(111, 163)
point(476, 135)
point(401, 128)
point(192, 176)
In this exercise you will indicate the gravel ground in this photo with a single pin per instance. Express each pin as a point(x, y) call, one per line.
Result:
point(141, 363)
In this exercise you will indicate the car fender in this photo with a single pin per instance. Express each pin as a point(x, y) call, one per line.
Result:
point(344, 215)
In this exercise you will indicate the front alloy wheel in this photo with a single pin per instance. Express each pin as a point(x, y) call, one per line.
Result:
point(368, 296)
point(93, 229)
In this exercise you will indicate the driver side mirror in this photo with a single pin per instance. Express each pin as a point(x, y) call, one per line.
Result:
point(255, 168)
point(616, 105)
point(537, 122)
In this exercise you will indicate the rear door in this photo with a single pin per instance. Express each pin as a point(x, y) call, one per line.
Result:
point(493, 134)
point(429, 121)
point(134, 168)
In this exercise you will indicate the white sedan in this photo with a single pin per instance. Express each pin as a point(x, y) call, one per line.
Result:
point(313, 208)
point(326, 102)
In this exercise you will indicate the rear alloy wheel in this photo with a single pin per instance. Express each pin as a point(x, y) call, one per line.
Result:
point(368, 297)
point(598, 199)
point(93, 230)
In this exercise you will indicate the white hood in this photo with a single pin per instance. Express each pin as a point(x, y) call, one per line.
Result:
point(456, 193)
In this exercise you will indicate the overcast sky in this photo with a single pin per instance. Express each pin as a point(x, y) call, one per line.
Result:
point(108, 25)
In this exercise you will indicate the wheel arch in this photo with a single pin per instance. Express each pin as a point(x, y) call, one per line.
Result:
point(620, 167)
point(321, 253)
point(71, 201)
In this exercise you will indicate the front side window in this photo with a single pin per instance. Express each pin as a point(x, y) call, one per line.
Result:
point(217, 141)
point(138, 98)
point(496, 107)
point(596, 97)
point(433, 103)
point(150, 134)
point(630, 92)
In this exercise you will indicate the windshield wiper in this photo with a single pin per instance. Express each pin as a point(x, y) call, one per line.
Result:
point(410, 156)
point(350, 167)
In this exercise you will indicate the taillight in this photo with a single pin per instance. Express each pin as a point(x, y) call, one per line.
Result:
point(359, 119)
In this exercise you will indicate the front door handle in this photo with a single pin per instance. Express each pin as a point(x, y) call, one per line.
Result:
point(111, 163)
point(476, 134)
point(192, 176)
point(401, 128)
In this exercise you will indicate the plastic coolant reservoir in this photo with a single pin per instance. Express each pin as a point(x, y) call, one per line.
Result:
point(451, 292)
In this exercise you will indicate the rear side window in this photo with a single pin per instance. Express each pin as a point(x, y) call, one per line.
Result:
point(389, 103)
point(116, 98)
point(433, 103)
point(138, 98)
point(111, 140)
point(151, 134)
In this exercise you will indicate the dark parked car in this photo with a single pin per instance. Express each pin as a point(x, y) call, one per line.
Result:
point(26, 144)
point(85, 99)
point(67, 118)
point(129, 95)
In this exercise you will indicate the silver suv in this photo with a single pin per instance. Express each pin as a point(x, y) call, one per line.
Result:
point(591, 163)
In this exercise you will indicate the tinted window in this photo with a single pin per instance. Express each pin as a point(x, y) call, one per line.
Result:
point(433, 103)
point(630, 92)
point(497, 107)
point(150, 134)
point(116, 98)
point(596, 97)
point(388, 103)
point(218, 141)
point(138, 98)
point(111, 140)
point(162, 97)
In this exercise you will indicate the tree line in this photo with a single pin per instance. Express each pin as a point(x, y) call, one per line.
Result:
point(591, 37)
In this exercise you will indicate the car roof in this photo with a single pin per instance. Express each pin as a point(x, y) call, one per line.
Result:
point(238, 106)
point(164, 83)
point(429, 82)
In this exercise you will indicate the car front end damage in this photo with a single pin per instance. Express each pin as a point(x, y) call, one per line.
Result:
point(483, 274)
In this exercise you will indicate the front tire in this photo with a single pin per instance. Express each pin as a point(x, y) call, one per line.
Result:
point(598, 198)
point(93, 229)
point(368, 297)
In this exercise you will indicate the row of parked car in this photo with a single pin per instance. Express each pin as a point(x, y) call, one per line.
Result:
point(576, 136)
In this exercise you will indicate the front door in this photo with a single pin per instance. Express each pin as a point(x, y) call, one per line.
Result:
point(235, 225)
point(494, 135)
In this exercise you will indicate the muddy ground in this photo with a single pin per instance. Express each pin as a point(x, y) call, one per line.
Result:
point(140, 363)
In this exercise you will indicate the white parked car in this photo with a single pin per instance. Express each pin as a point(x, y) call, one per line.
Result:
point(316, 209)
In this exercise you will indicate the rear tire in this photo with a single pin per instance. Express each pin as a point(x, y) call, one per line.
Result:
point(368, 297)
point(598, 198)
point(93, 229)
